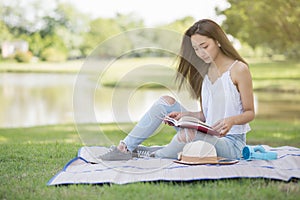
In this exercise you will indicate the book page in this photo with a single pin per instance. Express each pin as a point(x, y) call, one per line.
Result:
point(191, 122)
point(192, 119)
point(170, 120)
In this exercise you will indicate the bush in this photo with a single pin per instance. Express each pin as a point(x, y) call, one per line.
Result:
point(53, 55)
point(23, 56)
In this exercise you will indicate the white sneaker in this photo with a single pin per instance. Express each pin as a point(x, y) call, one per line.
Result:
point(115, 154)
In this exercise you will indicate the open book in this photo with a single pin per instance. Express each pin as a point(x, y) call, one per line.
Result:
point(191, 122)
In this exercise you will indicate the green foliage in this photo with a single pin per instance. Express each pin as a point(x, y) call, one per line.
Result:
point(128, 21)
point(52, 54)
point(180, 25)
point(59, 26)
point(272, 24)
point(4, 33)
point(74, 25)
point(23, 56)
point(71, 18)
point(36, 43)
point(101, 30)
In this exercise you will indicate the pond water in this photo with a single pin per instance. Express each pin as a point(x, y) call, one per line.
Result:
point(42, 99)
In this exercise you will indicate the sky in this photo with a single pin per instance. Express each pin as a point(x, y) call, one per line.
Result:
point(153, 12)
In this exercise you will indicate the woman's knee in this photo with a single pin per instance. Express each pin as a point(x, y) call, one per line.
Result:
point(186, 135)
point(168, 100)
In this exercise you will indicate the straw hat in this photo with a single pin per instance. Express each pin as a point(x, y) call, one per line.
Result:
point(199, 153)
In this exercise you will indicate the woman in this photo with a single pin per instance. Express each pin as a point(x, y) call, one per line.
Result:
point(219, 77)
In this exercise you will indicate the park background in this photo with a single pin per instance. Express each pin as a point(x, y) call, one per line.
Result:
point(44, 44)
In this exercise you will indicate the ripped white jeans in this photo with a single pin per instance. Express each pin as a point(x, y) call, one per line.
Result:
point(229, 146)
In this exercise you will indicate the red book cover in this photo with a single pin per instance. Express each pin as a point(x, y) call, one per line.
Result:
point(191, 122)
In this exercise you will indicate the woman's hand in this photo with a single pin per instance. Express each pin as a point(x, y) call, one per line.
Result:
point(175, 115)
point(223, 126)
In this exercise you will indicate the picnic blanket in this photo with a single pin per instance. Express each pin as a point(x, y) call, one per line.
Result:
point(86, 169)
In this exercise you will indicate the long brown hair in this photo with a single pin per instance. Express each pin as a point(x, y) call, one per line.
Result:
point(191, 68)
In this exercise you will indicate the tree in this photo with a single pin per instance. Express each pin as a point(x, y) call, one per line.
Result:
point(169, 39)
point(128, 21)
point(60, 27)
point(22, 17)
point(102, 29)
point(180, 25)
point(36, 43)
point(4, 33)
point(272, 24)
point(71, 28)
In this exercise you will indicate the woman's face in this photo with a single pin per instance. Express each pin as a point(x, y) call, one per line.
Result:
point(205, 47)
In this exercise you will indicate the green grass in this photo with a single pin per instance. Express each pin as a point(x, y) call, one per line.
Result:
point(280, 76)
point(29, 157)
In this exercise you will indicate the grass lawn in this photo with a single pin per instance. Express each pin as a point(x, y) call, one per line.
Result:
point(29, 157)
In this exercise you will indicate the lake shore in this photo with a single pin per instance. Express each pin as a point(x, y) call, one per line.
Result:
point(41, 67)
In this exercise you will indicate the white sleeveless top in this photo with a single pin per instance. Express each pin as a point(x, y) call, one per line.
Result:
point(221, 99)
